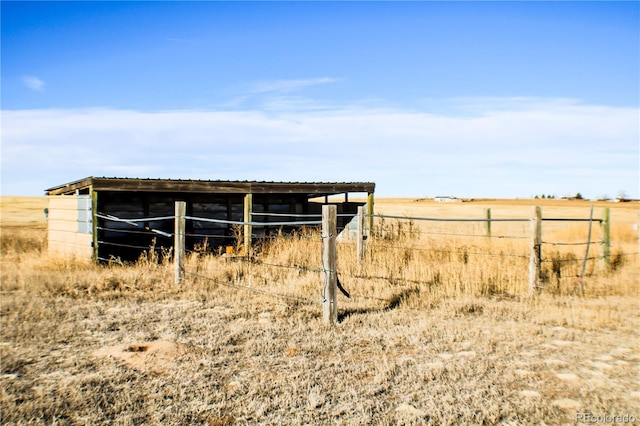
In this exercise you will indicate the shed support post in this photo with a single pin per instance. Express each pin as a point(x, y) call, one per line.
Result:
point(248, 229)
point(370, 211)
point(94, 222)
point(329, 263)
point(179, 240)
point(535, 258)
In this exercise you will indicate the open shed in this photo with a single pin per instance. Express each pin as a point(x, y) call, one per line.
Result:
point(119, 218)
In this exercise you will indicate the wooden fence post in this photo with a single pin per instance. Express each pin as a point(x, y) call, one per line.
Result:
point(179, 240)
point(248, 229)
point(605, 233)
point(487, 229)
point(94, 223)
point(535, 258)
point(329, 263)
point(360, 239)
point(370, 211)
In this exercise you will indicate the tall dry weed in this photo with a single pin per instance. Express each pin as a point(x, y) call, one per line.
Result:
point(17, 241)
point(438, 329)
point(402, 263)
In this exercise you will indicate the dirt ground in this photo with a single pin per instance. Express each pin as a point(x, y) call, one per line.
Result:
point(83, 344)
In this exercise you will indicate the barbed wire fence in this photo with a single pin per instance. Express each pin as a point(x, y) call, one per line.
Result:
point(536, 256)
point(386, 236)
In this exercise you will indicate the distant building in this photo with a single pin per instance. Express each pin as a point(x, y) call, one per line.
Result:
point(447, 199)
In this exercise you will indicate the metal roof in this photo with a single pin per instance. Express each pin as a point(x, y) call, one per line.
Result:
point(209, 186)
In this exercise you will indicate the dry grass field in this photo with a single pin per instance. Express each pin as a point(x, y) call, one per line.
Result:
point(439, 329)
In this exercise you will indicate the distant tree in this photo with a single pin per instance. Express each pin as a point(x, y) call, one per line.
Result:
point(579, 196)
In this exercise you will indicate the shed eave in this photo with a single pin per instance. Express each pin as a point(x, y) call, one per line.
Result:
point(311, 189)
point(71, 187)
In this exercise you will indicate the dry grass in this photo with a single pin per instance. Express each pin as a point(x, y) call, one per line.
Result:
point(439, 336)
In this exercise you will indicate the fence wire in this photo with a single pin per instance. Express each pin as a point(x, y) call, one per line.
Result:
point(454, 234)
point(251, 261)
point(572, 244)
point(136, 222)
point(427, 249)
point(285, 214)
point(372, 244)
point(132, 246)
point(253, 289)
point(253, 223)
point(131, 231)
point(440, 219)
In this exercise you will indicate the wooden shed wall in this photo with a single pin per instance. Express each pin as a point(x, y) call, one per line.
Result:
point(69, 226)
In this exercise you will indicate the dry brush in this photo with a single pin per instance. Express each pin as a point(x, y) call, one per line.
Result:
point(439, 330)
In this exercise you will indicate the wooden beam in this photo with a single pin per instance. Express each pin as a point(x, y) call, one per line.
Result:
point(179, 240)
point(535, 258)
point(248, 229)
point(370, 211)
point(487, 228)
point(71, 187)
point(94, 222)
point(310, 189)
point(360, 239)
point(329, 264)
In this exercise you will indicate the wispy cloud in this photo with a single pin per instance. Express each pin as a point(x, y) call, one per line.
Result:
point(33, 83)
point(552, 147)
point(287, 86)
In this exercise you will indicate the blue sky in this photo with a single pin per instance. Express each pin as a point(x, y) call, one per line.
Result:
point(474, 99)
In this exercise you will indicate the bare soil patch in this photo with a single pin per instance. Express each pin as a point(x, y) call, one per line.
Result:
point(149, 357)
